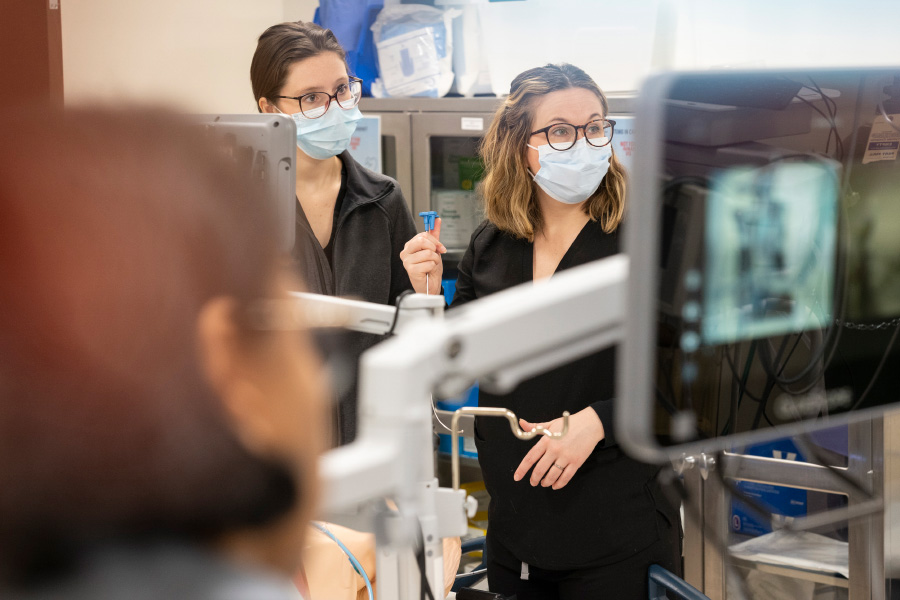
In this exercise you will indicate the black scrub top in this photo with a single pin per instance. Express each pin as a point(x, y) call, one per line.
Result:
point(607, 512)
point(371, 224)
point(329, 247)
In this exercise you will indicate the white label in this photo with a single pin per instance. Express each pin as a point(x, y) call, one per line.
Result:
point(458, 214)
point(471, 124)
point(884, 140)
point(623, 140)
point(54, 4)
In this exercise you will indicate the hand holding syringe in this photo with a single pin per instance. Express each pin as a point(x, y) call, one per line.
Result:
point(421, 256)
point(429, 218)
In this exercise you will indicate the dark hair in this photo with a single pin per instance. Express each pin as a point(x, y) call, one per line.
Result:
point(116, 227)
point(282, 45)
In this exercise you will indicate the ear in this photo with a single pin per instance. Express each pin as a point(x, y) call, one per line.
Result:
point(227, 365)
point(266, 106)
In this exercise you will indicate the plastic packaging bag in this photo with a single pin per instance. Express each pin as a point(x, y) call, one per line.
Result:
point(470, 65)
point(414, 44)
point(350, 20)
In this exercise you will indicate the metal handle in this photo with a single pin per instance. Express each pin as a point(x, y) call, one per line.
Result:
point(488, 411)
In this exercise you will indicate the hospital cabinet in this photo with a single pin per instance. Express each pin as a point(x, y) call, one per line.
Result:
point(423, 140)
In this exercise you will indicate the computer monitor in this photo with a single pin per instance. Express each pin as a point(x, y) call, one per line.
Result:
point(266, 147)
point(764, 238)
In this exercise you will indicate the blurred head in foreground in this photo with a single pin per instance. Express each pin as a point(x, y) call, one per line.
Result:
point(139, 398)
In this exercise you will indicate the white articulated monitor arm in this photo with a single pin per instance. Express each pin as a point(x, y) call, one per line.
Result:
point(499, 341)
point(367, 317)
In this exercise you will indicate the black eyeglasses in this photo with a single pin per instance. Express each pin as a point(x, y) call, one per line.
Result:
point(562, 136)
point(315, 104)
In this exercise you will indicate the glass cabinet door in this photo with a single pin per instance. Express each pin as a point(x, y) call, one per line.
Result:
point(446, 171)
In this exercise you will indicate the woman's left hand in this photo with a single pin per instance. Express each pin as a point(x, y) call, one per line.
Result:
point(555, 461)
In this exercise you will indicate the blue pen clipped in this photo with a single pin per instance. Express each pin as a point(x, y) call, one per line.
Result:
point(428, 217)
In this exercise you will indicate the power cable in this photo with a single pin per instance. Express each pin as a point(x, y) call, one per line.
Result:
point(400, 298)
point(420, 562)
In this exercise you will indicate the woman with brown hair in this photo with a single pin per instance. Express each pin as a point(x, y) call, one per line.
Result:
point(573, 517)
point(158, 436)
point(351, 222)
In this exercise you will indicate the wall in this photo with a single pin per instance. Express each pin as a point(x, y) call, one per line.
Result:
point(190, 54)
point(778, 33)
point(31, 67)
point(196, 53)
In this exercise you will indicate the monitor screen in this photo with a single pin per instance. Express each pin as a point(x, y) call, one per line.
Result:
point(764, 238)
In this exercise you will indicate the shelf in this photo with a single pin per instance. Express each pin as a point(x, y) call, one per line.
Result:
point(814, 576)
point(458, 104)
point(619, 102)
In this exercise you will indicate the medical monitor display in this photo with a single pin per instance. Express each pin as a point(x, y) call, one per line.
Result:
point(764, 237)
point(769, 251)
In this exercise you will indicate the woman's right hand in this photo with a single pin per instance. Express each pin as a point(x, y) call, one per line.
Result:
point(421, 257)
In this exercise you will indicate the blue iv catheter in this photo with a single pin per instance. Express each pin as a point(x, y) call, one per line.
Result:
point(428, 217)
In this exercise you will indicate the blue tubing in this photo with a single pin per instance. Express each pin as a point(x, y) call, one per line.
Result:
point(661, 580)
point(353, 561)
point(473, 545)
point(463, 580)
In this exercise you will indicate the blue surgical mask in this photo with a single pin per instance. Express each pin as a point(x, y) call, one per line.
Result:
point(328, 135)
point(572, 176)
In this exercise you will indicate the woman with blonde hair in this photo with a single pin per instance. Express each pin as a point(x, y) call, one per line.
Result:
point(573, 517)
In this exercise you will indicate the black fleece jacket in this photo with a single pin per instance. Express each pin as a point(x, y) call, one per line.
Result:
point(371, 228)
point(607, 512)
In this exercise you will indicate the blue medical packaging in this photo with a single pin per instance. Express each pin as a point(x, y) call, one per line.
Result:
point(784, 502)
point(351, 22)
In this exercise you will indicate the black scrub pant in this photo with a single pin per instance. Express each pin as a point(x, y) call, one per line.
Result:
point(623, 580)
